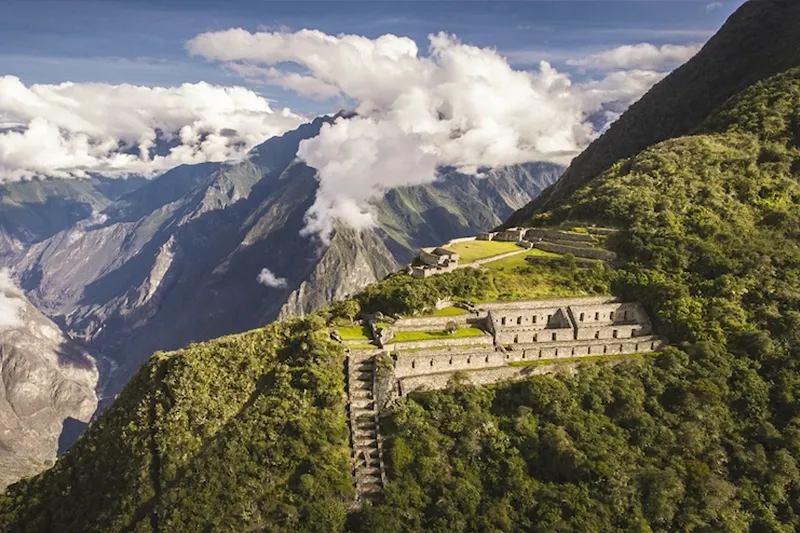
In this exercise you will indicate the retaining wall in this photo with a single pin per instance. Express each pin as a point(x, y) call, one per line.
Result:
point(463, 341)
point(410, 364)
point(544, 233)
point(588, 253)
point(535, 335)
point(480, 377)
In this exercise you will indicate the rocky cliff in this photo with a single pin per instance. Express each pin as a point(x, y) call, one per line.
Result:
point(177, 260)
point(47, 387)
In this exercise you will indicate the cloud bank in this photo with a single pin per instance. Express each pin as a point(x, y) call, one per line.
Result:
point(10, 301)
point(638, 56)
point(458, 105)
point(72, 129)
point(266, 277)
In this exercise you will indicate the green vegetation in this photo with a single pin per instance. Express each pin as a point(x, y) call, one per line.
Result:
point(355, 333)
point(409, 336)
point(470, 251)
point(246, 431)
point(514, 278)
point(450, 311)
point(702, 437)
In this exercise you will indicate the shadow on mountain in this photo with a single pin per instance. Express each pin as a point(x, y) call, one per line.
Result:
point(71, 430)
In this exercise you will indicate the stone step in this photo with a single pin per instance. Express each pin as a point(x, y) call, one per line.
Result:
point(362, 393)
point(362, 403)
point(365, 444)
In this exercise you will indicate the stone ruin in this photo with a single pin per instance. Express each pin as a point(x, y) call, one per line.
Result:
point(519, 332)
point(540, 332)
point(583, 245)
point(431, 261)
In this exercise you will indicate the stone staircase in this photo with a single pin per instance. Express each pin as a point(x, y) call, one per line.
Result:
point(365, 441)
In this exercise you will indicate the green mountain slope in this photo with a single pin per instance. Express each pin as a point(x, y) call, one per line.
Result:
point(758, 41)
point(253, 422)
point(703, 437)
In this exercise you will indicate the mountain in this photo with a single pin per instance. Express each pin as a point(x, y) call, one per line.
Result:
point(176, 260)
point(756, 42)
point(31, 211)
point(242, 433)
point(47, 387)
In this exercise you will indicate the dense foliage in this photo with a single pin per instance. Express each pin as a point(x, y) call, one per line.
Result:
point(247, 431)
point(704, 437)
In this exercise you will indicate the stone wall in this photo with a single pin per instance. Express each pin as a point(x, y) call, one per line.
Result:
point(585, 348)
point(411, 363)
point(535, 335)
point(510, 235)
point(485, 236)
point(588, 253)
point(609, 313)
point(480, 377)
point(463, 341)
point(529, 319)
point(534, 234)
point(609, 332)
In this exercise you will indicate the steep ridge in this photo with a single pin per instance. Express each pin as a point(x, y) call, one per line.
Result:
point(248, 432)
point(31, 211)
point(176, 261)
point(47, 388)
point(758, 41)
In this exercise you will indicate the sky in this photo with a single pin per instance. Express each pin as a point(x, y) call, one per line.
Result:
point(97, 86)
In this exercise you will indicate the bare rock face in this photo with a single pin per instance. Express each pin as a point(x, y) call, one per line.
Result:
point(47, 387)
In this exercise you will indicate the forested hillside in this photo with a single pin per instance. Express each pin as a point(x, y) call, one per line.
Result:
point(247, 432)
point(758, 41)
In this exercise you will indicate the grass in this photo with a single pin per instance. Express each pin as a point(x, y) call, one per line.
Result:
point(354, 333)
point(362, 347)
point(460, 348)
point(469, 251)
point(449, 311)
point(410, 336)
point(517, 279)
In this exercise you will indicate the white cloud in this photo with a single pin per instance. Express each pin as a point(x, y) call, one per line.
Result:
point(713, 5)
point(638, 56)
point(71, 129)
point(266, 277)
point(458, 105)
point(10, 301)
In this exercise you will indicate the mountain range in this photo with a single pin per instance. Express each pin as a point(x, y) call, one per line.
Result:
point(129, 267)
point(247, 431)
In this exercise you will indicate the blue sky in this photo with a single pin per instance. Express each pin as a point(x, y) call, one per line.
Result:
point(142, 42)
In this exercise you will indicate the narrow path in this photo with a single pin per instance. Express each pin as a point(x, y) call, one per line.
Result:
point(364, 424)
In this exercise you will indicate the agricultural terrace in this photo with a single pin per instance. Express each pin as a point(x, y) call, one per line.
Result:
point(470, 251)
point(410, 336)
point(551, 276)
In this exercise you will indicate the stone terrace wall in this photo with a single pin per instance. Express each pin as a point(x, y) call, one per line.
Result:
point(490, 367)
point(584, 348)
point(462, 341)
point(536, 233)
point(411, 364)
point(480, 377)
point(588, 253)
point(529, 334)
